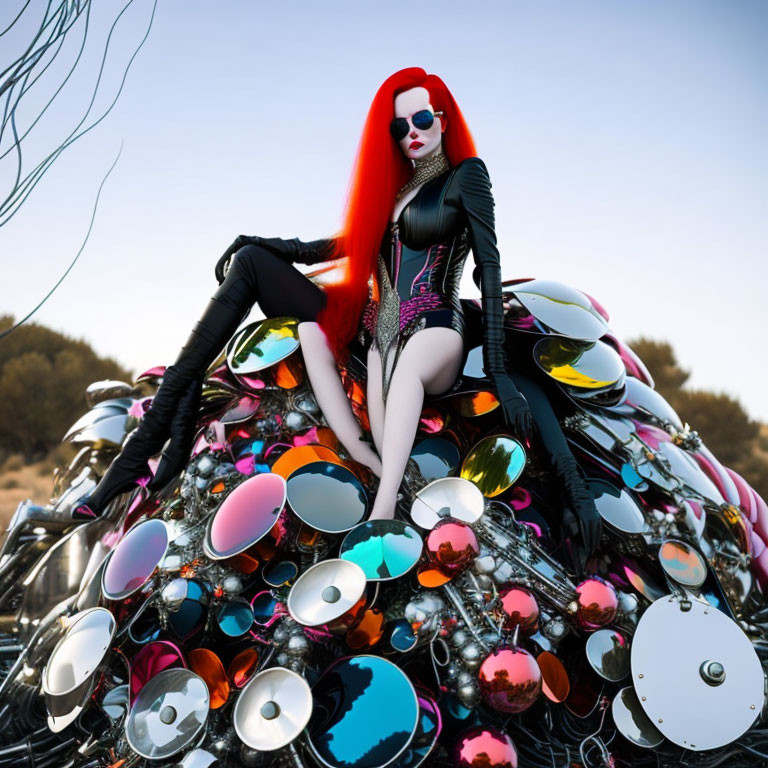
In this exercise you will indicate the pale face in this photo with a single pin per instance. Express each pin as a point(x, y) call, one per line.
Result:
point(418, 143)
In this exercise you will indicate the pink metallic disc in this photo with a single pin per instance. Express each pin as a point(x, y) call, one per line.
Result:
point(245, 516)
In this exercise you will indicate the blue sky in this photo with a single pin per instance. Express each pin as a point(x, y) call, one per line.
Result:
point(625, 142)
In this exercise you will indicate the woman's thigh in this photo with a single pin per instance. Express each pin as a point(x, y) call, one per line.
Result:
point(434, 355)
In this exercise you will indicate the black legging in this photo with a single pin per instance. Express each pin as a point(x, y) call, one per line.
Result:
point(278, 287)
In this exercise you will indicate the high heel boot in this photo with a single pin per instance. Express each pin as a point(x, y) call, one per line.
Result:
point(183, 430)
point(226, 309)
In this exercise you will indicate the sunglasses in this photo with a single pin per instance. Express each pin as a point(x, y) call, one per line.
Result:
point(422, 120)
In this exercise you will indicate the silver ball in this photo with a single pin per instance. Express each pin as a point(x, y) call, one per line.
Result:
point(298, 645)
point(472, 655)
point(232, 585)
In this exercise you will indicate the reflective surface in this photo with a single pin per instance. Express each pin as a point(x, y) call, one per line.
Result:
point(510, 680)
point(706, 688)
point(272, 709)
point(454, 497)
point(327, 497)
point(631, 720)
point(683, 563)
point(554, 677)
point(485, 747)
point(427, 731)
point(245, 516)
point(617, 506)
point(436, 457)
point(135, 558)
point(168, 714)
point(562, 309)
point(494, 464)
point(262, 344)
point(520, 609)
point(597, 601)
point(151, 659)
point(235, 618)
point(207, 664)
point(384, 549)
point(577, 364)
point(326, 592)
point(347, 728)
point(608, 654)
point(75, 658)
point(452, 546)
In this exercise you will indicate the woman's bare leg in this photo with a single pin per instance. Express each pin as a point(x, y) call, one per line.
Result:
point(429, 362)
point(374, 398)
point(331, 396)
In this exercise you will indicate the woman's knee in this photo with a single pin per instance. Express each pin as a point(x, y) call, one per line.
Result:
point(253, 260)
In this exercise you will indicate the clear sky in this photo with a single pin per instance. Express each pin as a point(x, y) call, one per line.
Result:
point(626, 143)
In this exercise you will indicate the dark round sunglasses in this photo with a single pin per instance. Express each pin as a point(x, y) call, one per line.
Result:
point(422, 120)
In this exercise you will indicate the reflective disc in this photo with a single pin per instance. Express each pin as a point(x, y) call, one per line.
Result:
point(683, 563)
point(494, 464)
point(617, 507)
point(326, 591)
point(272, 709)
point(134, 559)
point(348, 728)
point(436, 457)
point(687, 469)
point(631, 720)
point(245, 516)
point(168, 714)
point(67, 678)
point(608, 654)
point(592, 365)
point(327, 496)
point(427, 731)
point(454, 497)
point(150, 660)
point(262, 344)
point(235, 618)
point(562, 309)
point(696, 673)
point(384, 549)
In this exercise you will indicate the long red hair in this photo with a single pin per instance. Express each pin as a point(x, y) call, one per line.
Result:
point(379, 172)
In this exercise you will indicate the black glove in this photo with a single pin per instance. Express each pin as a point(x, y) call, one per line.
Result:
point(291, 251)
point(581, 535)
point(515, 408)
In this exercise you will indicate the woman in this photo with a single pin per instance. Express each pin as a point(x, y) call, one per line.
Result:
point(401, 265)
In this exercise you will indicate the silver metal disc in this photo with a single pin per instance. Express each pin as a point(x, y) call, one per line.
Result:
point(631, 720)
point(608, 654)
point(562, 309)
point(168, 714)
point(68, 676)
point(696, 674)
point(326, 591)
point(453, 497)
point(617, 507)
point(273, 709)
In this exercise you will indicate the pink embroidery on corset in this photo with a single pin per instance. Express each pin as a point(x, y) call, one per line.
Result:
point(410, 309)
point(430, 265)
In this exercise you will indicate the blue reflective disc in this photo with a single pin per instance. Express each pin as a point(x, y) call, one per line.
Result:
point(235, 618)
point(436, 457)
point(384, 549)
point(347, 728)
